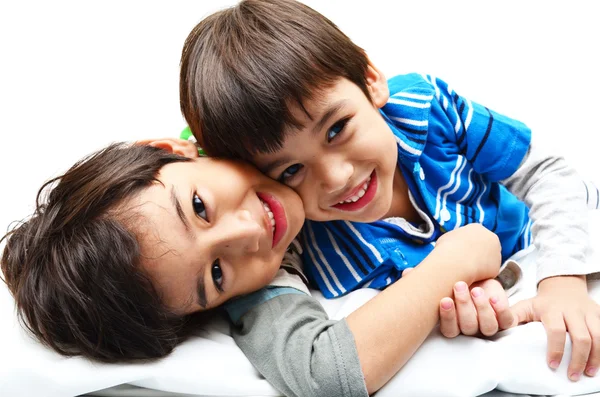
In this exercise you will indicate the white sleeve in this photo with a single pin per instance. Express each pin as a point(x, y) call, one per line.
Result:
point(558, 199)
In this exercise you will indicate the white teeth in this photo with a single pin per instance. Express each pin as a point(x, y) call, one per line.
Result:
point(270, 213)
point(361, 193)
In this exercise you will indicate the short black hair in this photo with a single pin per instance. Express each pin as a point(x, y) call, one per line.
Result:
point(242, 67)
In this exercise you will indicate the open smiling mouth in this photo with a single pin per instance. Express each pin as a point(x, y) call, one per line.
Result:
point(361, 196)
point(276, 215)
point(271, 216)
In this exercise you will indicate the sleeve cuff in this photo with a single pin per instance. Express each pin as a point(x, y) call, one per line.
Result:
point(565, 266)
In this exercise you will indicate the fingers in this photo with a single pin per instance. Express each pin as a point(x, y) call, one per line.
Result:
point(144, 141)
point(581, 342)
point(471, 313)
point(593, 324)
point(448, 320)
point(465, 308)
point(556, 333)
point(488, 324)
point(406, 271)
point(494, 313)
point(523, 312)
point(173, 145)
point(504, 315)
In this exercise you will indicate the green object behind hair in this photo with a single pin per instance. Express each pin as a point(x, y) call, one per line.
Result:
point(187, 135)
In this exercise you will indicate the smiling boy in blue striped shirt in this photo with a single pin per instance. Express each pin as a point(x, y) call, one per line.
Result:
point(385, 168)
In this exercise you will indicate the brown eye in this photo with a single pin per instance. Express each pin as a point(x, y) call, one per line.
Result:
point(199, 208)
point(289, 172)
point(217, 275)
point(336, 129)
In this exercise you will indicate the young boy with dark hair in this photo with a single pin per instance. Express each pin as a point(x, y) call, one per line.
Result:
point(74, 266)
point(129, 248)
point(386, 168)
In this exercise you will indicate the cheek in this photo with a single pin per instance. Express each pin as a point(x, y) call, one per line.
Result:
point(310, 201)
point(309, 195)
point(264, 272)
point(379, 141)
point(270, 273)
point(314, 214)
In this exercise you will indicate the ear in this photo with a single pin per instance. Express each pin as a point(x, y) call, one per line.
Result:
point(176, 146)
point(377, 85)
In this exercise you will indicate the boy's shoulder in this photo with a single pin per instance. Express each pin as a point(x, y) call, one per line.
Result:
point(414, 83)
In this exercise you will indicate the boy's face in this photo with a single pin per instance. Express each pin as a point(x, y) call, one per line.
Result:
point(342, 160)
point(207, 233)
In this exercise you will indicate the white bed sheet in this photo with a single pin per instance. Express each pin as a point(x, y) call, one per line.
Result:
point(211, 363)
point(133, 391)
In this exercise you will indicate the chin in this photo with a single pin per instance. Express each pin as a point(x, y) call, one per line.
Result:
point(366, 218)
point(373, 215)
point(271, 272)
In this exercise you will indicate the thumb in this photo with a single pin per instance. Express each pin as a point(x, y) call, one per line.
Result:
point(523, 312)
point(406, 271)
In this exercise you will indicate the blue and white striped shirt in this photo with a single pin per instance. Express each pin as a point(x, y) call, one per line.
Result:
point(452, 153)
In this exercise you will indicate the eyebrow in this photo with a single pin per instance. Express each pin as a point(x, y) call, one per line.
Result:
point(331, 110)
point(200, 289)
point(274, 164)
point(179, 209)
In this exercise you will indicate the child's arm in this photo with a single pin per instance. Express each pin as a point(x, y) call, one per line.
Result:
point(499, 149)
point(556, 196)
point(298, 349)
point(292, 343)
point(409, 307)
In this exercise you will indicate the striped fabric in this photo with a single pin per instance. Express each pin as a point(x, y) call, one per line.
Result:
point(592, 195)
point(452, 153)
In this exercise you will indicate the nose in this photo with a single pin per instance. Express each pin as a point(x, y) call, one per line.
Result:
point(334, 173)
point(239, 233)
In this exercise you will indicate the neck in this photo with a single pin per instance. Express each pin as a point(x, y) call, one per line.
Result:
point(401, 206)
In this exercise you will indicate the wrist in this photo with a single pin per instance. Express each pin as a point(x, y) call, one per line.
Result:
point(452, 264)
point(557, 283)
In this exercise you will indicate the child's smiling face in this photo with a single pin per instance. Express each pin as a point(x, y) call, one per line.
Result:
point(215, 229)
point(342, 159)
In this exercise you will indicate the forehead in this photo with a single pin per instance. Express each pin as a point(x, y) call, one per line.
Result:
point(165, 245)
point(310, 117)
point(160, 231)
point(210, 173)
point(323, 101)
point(155, 204)
point(308, 108)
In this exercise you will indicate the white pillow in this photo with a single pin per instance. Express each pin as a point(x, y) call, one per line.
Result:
point(211, 363)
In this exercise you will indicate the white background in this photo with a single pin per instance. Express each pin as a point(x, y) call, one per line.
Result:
point(77, 75)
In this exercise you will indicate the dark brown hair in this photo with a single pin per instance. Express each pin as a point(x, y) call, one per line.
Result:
point(242, 67)
point(73, 266)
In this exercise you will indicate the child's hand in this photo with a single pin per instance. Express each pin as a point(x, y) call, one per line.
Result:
point(485, 309)
point(563, 304)
point(174, 145)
